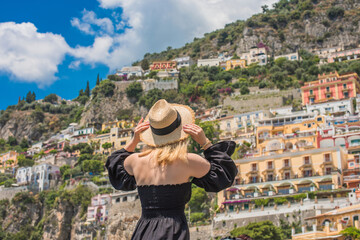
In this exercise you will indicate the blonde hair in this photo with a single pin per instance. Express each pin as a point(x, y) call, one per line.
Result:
point(168, 153)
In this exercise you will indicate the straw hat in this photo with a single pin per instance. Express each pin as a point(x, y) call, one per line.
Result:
point(166, 123)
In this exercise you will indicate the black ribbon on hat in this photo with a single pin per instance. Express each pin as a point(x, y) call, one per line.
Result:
point(166, 130)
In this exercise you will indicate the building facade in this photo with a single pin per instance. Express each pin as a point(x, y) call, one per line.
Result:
point(210, 62)
point(291, 56)
point(345, 55)
point(330, 87)
point(344, 106)
point(163, 65)
point(184, 62)
point(150, 84)
point(255, 55)
point(287, 134)
point(8, 161)
point(234, 63)
point(127, 72)
point(328, 226)
point(98, 211)
point(286, 173)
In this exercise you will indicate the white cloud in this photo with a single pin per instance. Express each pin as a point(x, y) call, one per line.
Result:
point(152, 25)
point(89, 19)
point(28, 55)
point(75, 65)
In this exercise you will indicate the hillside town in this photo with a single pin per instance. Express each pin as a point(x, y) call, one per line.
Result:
point(287, 159)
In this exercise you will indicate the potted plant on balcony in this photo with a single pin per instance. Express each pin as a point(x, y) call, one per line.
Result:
point(292, 189)
point(312, 187)
point(256, 192)
point(271, 191)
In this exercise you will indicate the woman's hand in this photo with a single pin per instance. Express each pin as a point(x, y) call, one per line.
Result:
point(142, 126)
point(196, 132)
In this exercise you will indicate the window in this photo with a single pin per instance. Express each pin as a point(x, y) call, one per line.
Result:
point(311, 92)
point(123, 143)
point(346, 94)
point(328, 171)
point(270, 165)
point(253, 179)
point(312, 100)
point(287, 175)
point(270, 177)
point(307, 173)
point(344, 86)
point(253, 167)
point(328, 89)
point(357, 159)
point(307, 160)
point(328, 95)
point(327, 157)
point(286, 163)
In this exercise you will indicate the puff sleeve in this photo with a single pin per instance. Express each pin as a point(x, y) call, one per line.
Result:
point(119, 178)
point(222, 168)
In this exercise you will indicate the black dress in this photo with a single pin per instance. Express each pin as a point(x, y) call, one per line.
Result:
point(163, 205)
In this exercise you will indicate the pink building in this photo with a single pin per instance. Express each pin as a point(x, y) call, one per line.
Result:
point(351, 54)
point(99, 209)
point(329, 87)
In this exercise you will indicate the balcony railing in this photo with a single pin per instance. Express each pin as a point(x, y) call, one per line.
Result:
point(263, 180)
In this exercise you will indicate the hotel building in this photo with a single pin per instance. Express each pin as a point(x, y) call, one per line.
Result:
point(330, 87)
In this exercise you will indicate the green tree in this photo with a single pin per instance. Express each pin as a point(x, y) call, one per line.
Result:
point(244, 90)
point(23, 161)
point(24, 143)
point(145, 64)
point(97, 80)
point(134, 91)
point(335, 12)
point(352, 232)
point(264, 230)
point(93, 166)
point(198, 198)
point(38, 115)
point(106, 146)
point(64, 168)
point(51, 98)
point(30, 97)
point(87, 89)
point(12, 141)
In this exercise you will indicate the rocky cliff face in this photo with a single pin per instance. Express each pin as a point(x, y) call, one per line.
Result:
point(107, 108)
point(20, 125)
point(122, 220)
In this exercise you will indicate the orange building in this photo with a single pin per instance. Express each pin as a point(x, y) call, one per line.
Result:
point(330, 87)
point(163, 65)
point(8, 160)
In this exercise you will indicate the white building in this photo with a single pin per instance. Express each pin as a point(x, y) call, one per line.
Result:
point(173, 73)
point(184, 62)
point(124, 196)
point(210, 62)
point(256, 55)
point(35, 148)
point(159, 84)
point(127, 72)
point(291, 56)
point(84, 131)
point(99, 208)
point(39, 177)
point(343, 106)
point(23, 175)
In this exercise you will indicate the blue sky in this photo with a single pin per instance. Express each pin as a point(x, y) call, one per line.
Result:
point(56, 46)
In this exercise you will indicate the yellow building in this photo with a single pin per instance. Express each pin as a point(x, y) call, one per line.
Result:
point(233, 63)
point(118, 138)
point(118, 124)
point(287, 173)
point(8, 160)
point(287, 134)
point(328, 226)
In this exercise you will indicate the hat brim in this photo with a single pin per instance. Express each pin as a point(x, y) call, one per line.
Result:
point(187, 117)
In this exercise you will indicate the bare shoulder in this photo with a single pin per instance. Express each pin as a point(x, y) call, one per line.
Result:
point(199, 166)
point(129, 163)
